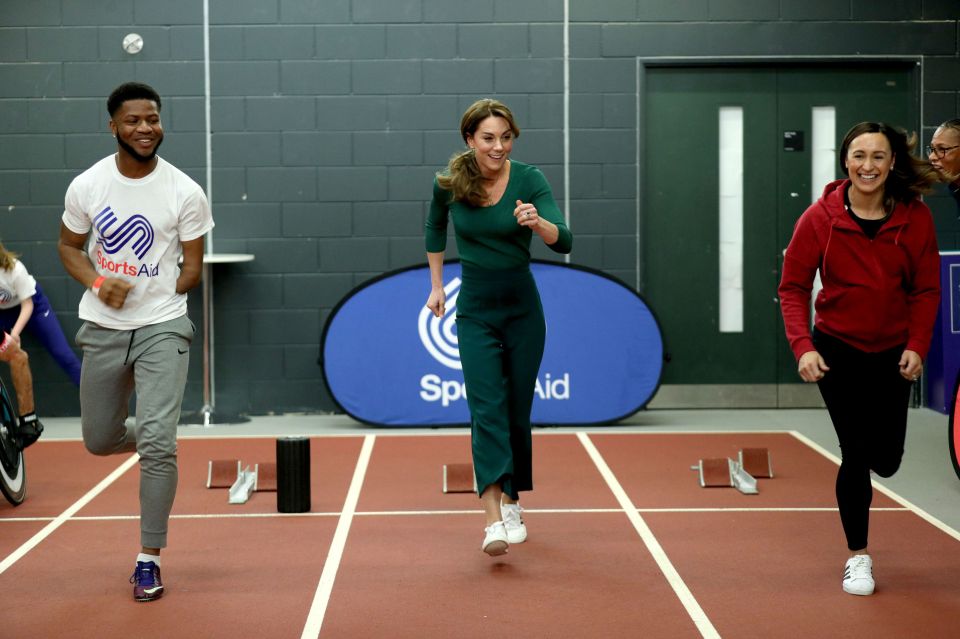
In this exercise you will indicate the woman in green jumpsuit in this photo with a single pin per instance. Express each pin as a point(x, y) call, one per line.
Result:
point(497, 205)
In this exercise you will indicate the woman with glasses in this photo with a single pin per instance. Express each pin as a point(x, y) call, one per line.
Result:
point(944, 153)
point(874, 243)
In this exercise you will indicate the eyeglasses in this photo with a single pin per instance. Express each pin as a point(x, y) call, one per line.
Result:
point(941, 151)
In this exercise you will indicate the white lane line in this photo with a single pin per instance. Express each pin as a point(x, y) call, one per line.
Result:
point(435, 513)
point(318, 608)
point(916, 510)
point(45, 532)
point(686, 597)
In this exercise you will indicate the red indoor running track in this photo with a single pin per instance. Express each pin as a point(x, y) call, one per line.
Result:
point(623, 543)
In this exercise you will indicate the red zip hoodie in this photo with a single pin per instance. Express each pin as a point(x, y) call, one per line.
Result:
point(876, 293)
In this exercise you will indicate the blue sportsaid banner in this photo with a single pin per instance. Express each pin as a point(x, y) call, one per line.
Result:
point(388, 361)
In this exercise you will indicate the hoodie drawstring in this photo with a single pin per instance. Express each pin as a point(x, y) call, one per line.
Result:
point(823, 266)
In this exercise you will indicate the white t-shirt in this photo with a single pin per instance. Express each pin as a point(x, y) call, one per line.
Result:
point(16, 285)
point(136, 227)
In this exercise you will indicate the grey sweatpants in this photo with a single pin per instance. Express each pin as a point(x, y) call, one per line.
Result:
point(152, 361)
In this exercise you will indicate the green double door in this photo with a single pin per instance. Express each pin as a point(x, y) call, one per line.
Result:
point(710, 277)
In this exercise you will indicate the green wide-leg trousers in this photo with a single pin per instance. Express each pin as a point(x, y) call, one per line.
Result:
point(501, 333)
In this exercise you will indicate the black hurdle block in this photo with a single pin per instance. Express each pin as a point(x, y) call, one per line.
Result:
point(293, 475)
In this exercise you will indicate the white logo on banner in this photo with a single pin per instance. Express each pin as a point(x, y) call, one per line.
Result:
point(438, 334)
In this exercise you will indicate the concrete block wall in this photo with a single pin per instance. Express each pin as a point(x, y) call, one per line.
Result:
point(329, 118)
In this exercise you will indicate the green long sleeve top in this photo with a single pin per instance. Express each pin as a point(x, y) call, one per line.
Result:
point(489, 236)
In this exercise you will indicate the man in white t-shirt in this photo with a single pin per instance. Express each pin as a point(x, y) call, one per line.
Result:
point(141, 215)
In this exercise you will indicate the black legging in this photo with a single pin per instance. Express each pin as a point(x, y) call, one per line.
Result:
point(867, 399)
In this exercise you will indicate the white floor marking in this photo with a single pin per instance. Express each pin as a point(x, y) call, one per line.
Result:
point(45, 532)
point(318, 608)
point(916, 510)
point(686, 597)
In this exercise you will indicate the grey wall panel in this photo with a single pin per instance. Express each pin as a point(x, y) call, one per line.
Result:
point(13, 45)
point(279, 113)
point(351, 42)
point(815, 9)
point(97, 13)
point(270, 42)
point(244, 11)
point(15, 115)
point(387, 148)
point(680, 10)
point(458, 76)
point(53, 44)
point(779, 39)
point(242, 78)
point(416, 41)
point(247, 220)
point(480, 41)
point(939, 9)
point(352, 184)
point(317, 148)
point(313, 77)
point(354, 113)
point(394, 11)
point(167, 12)
point(528, 11)
point(314, 11)
point(329, 119)
point(886, 10)
point(387, 77)
point(316, 219)
point(30, 12)
point(31, 80)
point(750, 10)
point(607, 11)
point(458, 12)
point(283, 255)
point(281, 184)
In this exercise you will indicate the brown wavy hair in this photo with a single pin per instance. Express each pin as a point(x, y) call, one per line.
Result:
point(462, 176)
point(909, 179)
point(7, 258)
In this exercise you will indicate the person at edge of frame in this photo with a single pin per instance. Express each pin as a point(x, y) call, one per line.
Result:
point(24, 306)
point(142, 215)
point(874, 243)
point(944, 153)
point(497, 205)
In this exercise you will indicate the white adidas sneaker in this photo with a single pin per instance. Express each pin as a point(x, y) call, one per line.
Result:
point(513, 522)
point(495, 542)
point(858, 575)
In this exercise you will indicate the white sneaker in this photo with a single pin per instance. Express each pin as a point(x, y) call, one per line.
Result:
point(513, 522)
point(496, 541)
point(858, 575)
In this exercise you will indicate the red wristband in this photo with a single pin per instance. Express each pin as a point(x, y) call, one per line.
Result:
point(97, 283)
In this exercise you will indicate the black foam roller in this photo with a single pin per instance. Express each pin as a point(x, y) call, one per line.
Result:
point(293, 475)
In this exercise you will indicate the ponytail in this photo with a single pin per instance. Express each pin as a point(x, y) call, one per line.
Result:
point(463, 179)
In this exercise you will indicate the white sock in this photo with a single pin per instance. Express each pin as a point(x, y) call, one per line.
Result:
point(145, 558)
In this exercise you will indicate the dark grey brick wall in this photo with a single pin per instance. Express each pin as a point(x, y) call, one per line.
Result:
point(329, 118)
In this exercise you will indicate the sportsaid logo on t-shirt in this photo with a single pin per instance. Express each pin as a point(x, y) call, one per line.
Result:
point(135, 232)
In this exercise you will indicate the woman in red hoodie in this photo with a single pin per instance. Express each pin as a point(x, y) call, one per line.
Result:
point(874, 243)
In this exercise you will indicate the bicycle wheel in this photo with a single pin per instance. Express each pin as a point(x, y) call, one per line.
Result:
point(13, 480)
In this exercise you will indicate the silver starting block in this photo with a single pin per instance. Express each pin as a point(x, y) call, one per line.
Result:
point(242, 488)
point(725, 473)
